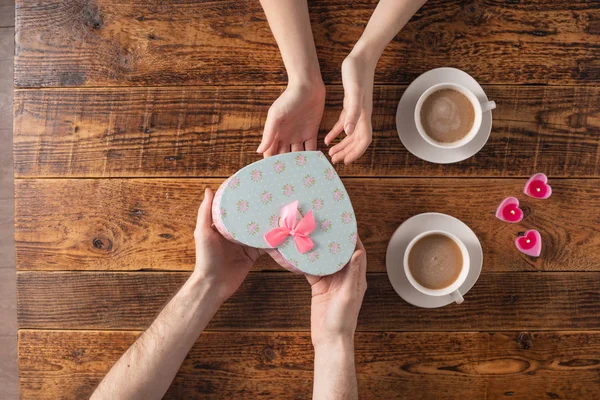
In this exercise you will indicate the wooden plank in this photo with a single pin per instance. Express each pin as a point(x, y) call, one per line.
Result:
point(147, 224)
point(8, 329)
point(426, 365)
point(214, 131)
point(281, 301)
point(7, 14)
point(8, 300)
point(109, 42)
point(9, 374)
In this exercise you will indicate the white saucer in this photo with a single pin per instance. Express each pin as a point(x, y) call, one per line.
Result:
point(411, 228)
point(405, 117)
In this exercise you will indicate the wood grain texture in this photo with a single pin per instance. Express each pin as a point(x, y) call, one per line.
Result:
point(214, 131)
point(147, 224)
point(109, 42)
point(428, 365)
point(281, 301)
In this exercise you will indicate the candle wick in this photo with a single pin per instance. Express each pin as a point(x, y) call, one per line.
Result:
point(528, 240)
point(538, 189)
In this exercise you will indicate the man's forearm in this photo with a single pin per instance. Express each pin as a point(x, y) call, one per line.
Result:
point(290, 24)
point(147, 369)
point(387, 20)
point(335, 374)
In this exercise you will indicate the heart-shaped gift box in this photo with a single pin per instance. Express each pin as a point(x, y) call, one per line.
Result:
point(272, 203)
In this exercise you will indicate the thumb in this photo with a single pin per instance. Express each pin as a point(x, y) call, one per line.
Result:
point(205, 211)
point(268, 134)
point(354, 99)
point(356, 278)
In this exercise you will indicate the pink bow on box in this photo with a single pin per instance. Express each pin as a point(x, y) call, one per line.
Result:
point(299, 230)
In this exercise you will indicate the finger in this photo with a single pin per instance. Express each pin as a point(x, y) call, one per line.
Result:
point(271, 151)
point(356, 279)
point(358, 263)
point(312, 279)
point(353, 111)
point(340, 155)
point(269, 134)
point(311, 144)
point(335, 131)
point(341, 145)
point(283, 148)
point(252, 252)
point(359, 244)
point(354, 154)
point(298, 146)
point(205, 211)
point(357, 150)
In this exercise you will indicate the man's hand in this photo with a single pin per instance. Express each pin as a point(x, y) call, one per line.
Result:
point(148, 367)
point(336, 301)
point(293, 120)
point(355, 119)
point(222, 264)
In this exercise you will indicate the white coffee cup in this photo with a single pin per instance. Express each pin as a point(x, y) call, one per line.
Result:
point(478, 107)
point(451, 290)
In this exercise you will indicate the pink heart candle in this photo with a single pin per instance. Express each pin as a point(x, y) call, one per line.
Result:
point(530, 243)
point(509, 211)
point(537, 187)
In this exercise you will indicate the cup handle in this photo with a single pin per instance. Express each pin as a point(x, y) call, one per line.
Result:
point(488, 106)
point(457, 297)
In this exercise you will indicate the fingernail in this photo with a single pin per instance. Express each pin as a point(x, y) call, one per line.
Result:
point(349, 129)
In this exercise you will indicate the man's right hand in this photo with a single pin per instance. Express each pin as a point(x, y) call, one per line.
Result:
point(336, 301)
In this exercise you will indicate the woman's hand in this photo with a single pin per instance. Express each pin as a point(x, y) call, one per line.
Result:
point(222, 264)
point(355, 119)
point(293, 119)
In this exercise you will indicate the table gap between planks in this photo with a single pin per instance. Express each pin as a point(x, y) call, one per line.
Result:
point(125, 111)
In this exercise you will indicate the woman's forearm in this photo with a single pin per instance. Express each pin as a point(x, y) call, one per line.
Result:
point(290, 24)
point(387, 20)
point(148, 367)
point(335, 374)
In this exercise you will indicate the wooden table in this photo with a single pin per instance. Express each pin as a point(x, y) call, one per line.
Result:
point(125, 111)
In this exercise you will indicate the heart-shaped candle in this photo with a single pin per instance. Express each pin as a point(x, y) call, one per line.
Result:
point(509, 211)
point(530, 243)
point(294, 206)
point(537, 187)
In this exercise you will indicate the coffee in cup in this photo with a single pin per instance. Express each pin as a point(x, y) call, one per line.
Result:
point(448, 115)
point(437, 263)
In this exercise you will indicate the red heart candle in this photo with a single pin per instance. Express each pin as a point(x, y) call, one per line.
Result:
point(509, 211)
point(537, 187)
point(530, 243)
